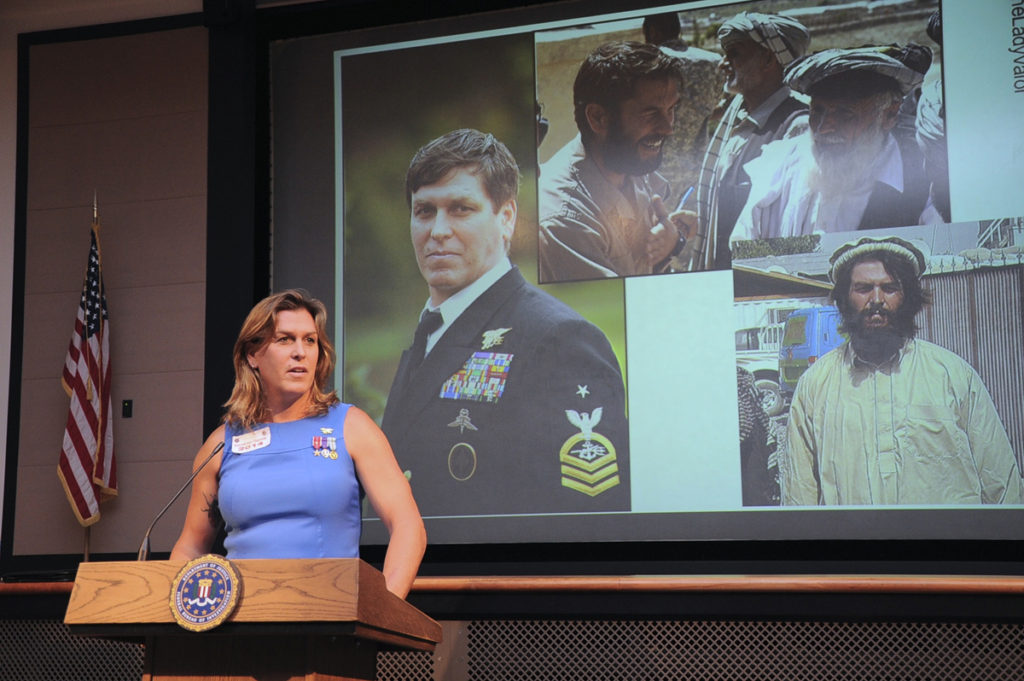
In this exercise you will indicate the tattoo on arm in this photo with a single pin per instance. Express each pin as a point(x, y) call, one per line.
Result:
point(212, 511)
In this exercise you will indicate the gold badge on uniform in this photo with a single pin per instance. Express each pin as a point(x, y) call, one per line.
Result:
point(462, 455)
point(461, 461)
point(493, 337)
point(588, 459)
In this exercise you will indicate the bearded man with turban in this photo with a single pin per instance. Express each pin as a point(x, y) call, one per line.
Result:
point(757, 49)
point(887, 418)
point(849, 170)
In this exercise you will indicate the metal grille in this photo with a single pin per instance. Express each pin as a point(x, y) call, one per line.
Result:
point(405, 665)
point(43, 650)
point(536, 650)
point(722, 651)
point(979, 315)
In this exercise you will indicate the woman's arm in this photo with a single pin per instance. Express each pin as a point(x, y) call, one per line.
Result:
point(199, 531)
point(391, 497)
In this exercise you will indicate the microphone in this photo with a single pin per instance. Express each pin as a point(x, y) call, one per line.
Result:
point(144, 548)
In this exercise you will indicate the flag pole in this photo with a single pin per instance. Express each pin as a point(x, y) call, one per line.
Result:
point(87, 530)
point(87, 468)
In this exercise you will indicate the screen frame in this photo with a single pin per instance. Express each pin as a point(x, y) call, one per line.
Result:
point(858, 554)
point(243, 48)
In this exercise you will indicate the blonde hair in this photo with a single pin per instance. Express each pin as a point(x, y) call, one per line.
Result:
point(247, 404)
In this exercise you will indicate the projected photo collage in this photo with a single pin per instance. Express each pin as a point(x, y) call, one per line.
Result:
point(694, 260)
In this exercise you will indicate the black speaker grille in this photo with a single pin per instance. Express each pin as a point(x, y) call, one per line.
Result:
point(571, 650)
point(43, 650)
point(405, 665)
point(723, 651)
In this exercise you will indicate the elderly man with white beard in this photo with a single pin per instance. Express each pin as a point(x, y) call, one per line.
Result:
point(848, 171)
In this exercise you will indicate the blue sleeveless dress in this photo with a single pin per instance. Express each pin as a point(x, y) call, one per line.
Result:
point(289, 490)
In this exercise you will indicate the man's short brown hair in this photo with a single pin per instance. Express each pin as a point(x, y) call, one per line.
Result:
point(466, 148)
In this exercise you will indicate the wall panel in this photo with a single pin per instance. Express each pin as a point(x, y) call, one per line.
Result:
point(124, 118)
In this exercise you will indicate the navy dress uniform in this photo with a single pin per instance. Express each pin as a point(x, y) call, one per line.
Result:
point(518, 408)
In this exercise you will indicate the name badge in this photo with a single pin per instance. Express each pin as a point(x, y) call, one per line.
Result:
point(248, 442)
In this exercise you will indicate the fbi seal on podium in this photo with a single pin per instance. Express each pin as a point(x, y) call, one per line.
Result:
point(205, 593)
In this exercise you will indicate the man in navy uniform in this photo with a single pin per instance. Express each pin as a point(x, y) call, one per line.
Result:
point(508, 401)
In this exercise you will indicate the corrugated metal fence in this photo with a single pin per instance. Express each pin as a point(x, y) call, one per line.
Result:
point(979, 315)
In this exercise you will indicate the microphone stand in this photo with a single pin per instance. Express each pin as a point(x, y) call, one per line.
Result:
point(144, 548)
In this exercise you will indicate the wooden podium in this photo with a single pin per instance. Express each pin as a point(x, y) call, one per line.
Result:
point(317, 620)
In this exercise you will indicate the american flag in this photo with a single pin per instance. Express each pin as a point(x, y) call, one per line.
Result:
point(87, 468)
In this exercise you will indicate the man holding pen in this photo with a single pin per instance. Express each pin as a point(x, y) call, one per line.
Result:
point(601, 203)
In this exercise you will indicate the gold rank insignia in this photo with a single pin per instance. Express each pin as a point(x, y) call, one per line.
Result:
point(493, 337)
point(587, 458)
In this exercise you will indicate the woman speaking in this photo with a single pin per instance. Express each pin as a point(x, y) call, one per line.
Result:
point(296, 460)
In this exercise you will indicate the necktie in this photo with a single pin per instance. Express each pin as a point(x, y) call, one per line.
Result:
point(430, 321)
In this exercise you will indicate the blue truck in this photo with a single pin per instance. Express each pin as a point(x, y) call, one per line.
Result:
point(808, 334)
